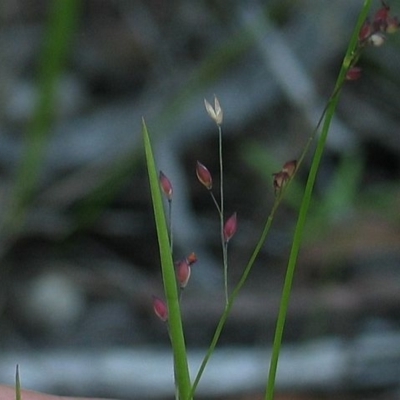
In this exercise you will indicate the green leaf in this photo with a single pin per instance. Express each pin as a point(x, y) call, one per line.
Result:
point(182, 378)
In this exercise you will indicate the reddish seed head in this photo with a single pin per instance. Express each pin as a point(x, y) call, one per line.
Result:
point(183, 272)
point(280, 180)
point(283, 176)
point(372, 33)
point(380, 17)
point(382, 13)
point(230, 227)
point(203, 175)
point(166, 186)
point(290, 167)
point(353, 74)
point(384, 22)
point(365, 31)
point(160, 308)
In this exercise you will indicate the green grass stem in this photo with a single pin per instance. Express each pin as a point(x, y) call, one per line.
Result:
point(299, 230)
point(221, 214)
point(17, 384)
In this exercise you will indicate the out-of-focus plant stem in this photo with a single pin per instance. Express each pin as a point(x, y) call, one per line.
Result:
point(62, 24)
point(299, 230)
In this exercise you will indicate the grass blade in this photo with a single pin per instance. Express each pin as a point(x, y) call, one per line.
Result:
point(17, 385)
point(168, 273)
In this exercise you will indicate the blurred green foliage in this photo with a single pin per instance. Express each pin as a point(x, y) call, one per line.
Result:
point(56, 48)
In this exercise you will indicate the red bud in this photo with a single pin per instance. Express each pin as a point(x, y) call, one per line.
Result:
point(365, 31)
point(160, 308)
point(166, 186)
point(183, 272)
point(380, 18)
point(230, 227)
point(203, 175)
point(353, 74)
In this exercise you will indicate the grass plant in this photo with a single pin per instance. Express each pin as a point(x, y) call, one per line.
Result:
point(365, 33)
point(181, 369)
point(60, 31)
point(349, 61)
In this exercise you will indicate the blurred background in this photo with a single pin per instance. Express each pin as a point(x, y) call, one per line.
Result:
point(78, 249)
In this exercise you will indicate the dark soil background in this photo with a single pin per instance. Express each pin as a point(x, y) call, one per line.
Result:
point(79, 255)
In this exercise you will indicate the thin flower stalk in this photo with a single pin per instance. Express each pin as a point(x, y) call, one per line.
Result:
point(215, 203)
point(234, 295)
point(267, 226)
point(349, 62)
point(216, 114)
point(221, 214)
